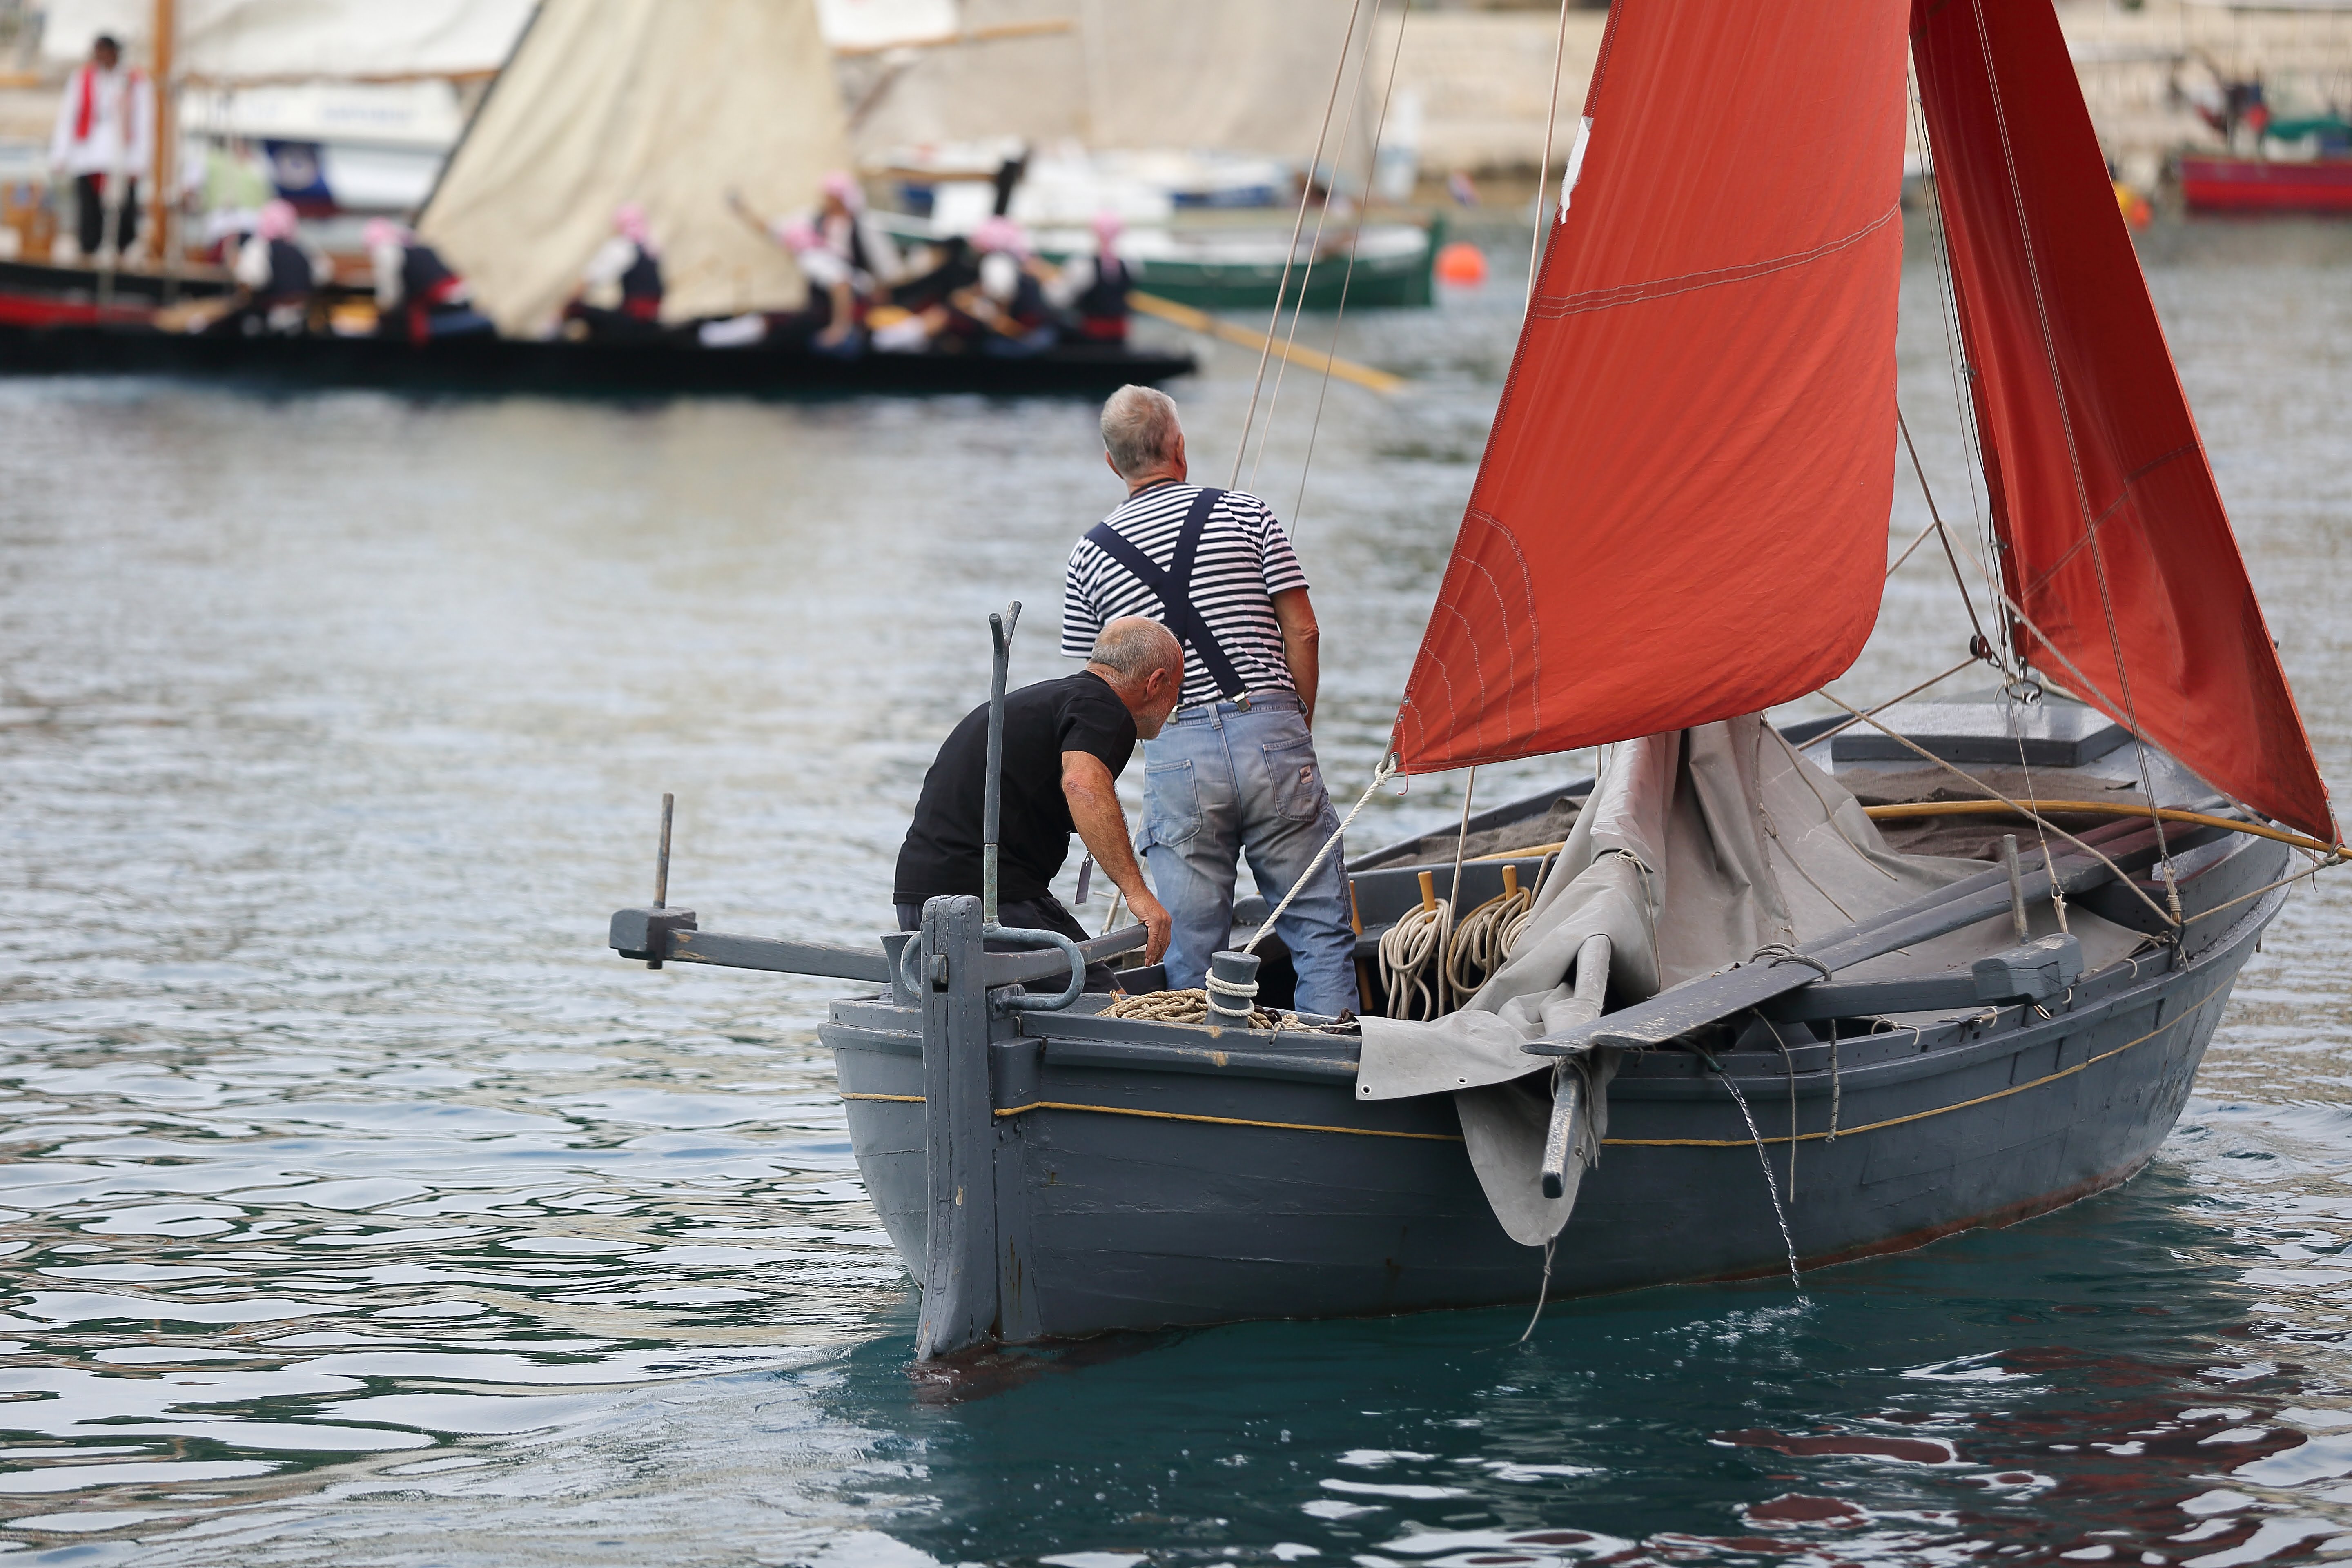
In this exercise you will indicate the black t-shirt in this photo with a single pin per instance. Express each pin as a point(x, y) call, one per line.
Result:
point(941, 855)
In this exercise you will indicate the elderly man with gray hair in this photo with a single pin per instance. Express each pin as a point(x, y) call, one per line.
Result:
point(1233, 771)
point(1065, 744)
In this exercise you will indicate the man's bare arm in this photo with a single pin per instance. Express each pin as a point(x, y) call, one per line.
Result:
point(1101, 822)
point(1300, 637)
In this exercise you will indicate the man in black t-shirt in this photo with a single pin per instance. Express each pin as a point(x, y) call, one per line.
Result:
point(1065, 744)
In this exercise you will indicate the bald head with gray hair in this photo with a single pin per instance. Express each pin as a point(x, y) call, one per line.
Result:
point(1140, 432)
point(1132, 647)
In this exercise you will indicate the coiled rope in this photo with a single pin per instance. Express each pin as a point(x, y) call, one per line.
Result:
point(1177, 1007)
point(1483, 940)
point(1410, 969)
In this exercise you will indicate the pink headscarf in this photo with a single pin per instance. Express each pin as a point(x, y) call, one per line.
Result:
point(381, 231)
point(276, 220)
point(999, 233)
point(1108, 228)
point(843, 186)
point(629, 223)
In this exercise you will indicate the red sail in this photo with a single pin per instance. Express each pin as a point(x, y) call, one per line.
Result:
point(1682, 512)
point(2117, 550)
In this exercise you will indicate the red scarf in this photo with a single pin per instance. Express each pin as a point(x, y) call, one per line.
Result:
point(87, 109)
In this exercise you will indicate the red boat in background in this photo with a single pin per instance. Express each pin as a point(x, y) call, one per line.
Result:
point(2222, 185)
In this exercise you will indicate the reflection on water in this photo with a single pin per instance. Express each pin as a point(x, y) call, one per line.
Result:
point(359, 1208)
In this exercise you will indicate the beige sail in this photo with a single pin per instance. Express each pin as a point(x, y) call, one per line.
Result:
point(1237, 75)
point(671, 106)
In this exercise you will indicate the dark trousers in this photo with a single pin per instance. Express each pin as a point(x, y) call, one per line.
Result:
point(90, 213)
point(1045, 913)
point(615, 326)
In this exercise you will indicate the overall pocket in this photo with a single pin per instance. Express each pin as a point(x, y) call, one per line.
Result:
point(1171, 804)
point(1298, 791)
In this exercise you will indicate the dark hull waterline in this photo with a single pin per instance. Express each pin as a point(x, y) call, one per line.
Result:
point(487, 365)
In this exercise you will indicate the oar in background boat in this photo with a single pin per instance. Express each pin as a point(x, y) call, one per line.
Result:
point(1194, 321)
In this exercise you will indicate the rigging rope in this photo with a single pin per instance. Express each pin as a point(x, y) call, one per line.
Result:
point(2022, 810)
point(1993, 656)
point(2074, 456)
point(1347, 280)
point(1314, 251)
point(1543, 170)
point(1842, 725)
point(1380, 775)
point(1298, 225)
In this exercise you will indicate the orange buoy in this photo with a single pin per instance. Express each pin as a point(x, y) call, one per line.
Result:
point(1462, 264)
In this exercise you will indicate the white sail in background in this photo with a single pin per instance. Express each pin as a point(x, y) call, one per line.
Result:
point(250, 40)
point(1238, 75)
point(671, 106)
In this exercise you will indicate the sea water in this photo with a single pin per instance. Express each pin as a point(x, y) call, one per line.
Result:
point(359, 1207)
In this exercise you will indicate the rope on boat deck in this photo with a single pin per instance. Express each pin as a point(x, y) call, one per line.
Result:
point(1411, 963)
point(1177, 1007)
point(1483, 940)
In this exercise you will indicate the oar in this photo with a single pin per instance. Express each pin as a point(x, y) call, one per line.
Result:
point(1201, 322)
point(1672, 1014)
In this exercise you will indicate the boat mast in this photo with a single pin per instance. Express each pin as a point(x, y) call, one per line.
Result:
point(159, 196)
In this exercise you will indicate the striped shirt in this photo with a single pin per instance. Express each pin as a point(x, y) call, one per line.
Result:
point(1244, 560)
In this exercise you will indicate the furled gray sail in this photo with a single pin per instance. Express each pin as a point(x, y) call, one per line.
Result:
point(1700, 849)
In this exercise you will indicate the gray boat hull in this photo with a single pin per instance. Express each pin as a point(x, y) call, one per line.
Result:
point(1151, 1175)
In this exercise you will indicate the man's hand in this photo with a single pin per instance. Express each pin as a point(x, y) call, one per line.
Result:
point(1093, 795)
point(1156, 921)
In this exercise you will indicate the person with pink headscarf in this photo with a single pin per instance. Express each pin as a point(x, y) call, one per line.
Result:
point(1003, 312)
point(621, 290)
point(278, 274)
point(850, 232)
point(417, 297)
point(1092, 289)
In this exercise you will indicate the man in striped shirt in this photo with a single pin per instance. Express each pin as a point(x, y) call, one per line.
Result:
point(1233, 772)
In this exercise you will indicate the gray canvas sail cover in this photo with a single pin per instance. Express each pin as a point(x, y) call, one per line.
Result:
point(672, 107)
point(1695, 849)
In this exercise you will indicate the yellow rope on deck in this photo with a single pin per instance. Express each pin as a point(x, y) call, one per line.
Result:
point(1904, 809)
point(2099, 808)
point(1229, 1121)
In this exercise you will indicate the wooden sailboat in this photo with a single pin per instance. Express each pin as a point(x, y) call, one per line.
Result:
point(1826, 1021)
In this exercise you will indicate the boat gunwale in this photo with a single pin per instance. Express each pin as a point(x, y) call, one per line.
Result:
point(2016, 1033)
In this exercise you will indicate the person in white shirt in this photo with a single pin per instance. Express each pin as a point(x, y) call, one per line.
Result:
point(417, 297)
point(279, 273)
point(104, 139)
point(850, 232)
point(621, 289)
point(1093, 289)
